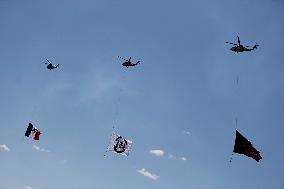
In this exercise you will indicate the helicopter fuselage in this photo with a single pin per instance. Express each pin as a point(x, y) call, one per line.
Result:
point(239, 48)
point(127, 64)
point(51, 66)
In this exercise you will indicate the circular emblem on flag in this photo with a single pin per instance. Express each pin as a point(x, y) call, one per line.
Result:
point(121, 145)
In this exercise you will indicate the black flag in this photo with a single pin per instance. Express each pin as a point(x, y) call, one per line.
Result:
point(244, 146)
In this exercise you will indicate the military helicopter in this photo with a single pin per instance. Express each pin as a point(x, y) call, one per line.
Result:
point(50, 66)
point(240, 48)
point(128, 62)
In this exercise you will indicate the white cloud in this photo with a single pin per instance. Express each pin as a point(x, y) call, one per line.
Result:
point(40, 149)
point(186, 133)
point(171, 156)
point(161, 153)
point(64, 161)
point(4, 147)
point(157, 152)
point(147, 174)
point(28, 187)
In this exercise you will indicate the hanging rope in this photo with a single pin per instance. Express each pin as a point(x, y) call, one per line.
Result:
point(237, 80)
point(117, 107)
point(236, 123)
point(236, 119)
point(118, 102)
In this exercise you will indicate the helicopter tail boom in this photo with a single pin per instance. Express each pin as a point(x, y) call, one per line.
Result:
point(255, 46)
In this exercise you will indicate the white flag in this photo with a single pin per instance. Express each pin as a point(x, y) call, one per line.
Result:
point(119, 145)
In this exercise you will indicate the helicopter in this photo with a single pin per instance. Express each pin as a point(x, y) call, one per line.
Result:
point(128, 62)
point(240, 48)
point(51, 66)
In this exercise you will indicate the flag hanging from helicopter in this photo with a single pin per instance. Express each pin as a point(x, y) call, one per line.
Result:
point(32, 131)
point(244, 146)
point(119, 145)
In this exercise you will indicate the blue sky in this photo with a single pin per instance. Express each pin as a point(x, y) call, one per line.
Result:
point(178, 107)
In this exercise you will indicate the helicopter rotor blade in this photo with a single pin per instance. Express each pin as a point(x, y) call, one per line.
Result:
point(239, 42)
point(47, 61)
point(231, 43)
point(122, 58)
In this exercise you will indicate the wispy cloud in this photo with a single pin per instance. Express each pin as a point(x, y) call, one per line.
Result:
point(97, 86)
point(171, 156)
point(157, 152)
point(162, 153)
point(186, 133)
point(147, 174)
point(40, 149)
point(64, 161)
point(4, 147)
point(28, 187)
